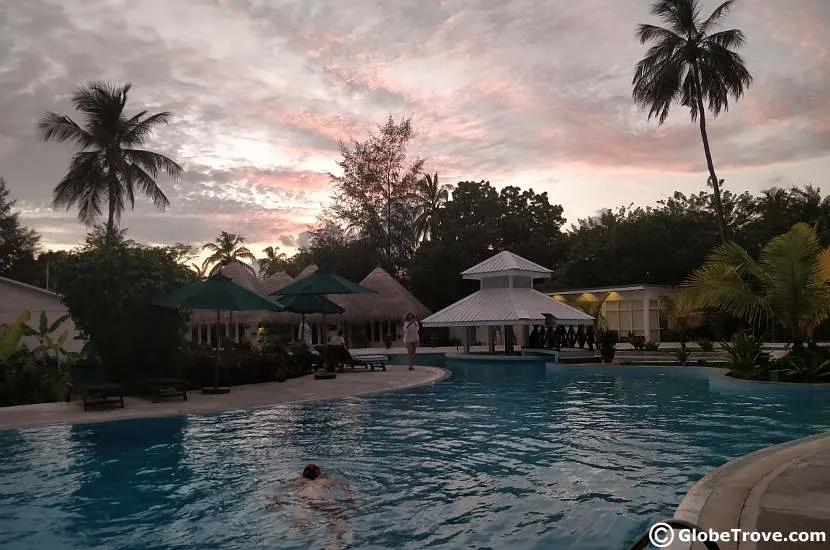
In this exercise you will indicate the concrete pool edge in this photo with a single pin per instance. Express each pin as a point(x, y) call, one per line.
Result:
point(731, 496)
point(248, 397)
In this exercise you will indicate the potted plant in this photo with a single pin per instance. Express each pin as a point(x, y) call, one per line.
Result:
point(387, 340)
point(608, 345)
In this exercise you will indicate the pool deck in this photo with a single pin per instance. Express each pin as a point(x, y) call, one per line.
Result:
point(784, 488)
point(251, 396)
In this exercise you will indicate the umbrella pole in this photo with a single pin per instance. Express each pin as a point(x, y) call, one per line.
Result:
point(218, 344)
point(325, 344)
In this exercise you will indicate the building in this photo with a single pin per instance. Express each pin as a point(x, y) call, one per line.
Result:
point(16, 297)
point(506, 299)
point(634, 308)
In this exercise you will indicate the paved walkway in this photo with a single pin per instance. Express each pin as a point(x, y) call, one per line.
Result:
point(240, 397)
point(784, 488)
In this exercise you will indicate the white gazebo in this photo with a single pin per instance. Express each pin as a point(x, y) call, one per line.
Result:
point(507, 299)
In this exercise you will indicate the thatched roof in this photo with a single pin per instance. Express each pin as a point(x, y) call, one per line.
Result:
point(241, 275)
point(391, 302)
point(309, 269)
point(278, 280)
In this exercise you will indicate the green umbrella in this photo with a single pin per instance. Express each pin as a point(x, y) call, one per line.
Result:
point(323, 282)
point(306, 304)
point(222, 294)
point(320, 283)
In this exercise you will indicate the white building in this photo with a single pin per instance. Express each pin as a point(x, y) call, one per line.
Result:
point(16, 297)
point(634, 308)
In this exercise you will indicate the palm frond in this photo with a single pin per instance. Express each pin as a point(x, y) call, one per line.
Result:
point(139, 130)
point(63, 129)
point(148, 186)
point(152, 162)
point(716, 17)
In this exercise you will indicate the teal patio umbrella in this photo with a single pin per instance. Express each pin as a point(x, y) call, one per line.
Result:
point(218, 293)
point(319, 284)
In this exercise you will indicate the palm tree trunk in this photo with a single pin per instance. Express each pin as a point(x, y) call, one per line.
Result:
point(111, 199)
point(724, 230)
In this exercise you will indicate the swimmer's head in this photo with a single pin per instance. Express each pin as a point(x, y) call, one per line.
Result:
point(311, 471)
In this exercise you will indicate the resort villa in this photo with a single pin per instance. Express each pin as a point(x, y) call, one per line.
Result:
point(626, 309)
point(366, 322)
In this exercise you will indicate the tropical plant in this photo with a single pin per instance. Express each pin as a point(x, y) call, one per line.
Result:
point(637, 341)
point(201, 271)
point(790, 280)
point(651, 346)
point(430, 197)
point(681, 312)
point(607, 344)
point(810, 367)
point(592, 308)
point(691, 64)
point(225, 250)
point(45, 334)
point(744, 351)
point(111, 165)
point(11, 336)
point(273, 262)
point(683, 353)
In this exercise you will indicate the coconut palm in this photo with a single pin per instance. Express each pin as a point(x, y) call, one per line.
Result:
point(429, 197)
point(273, 262)
point(790, 280)
point(681, 312)
point(111, 165)
point(691, 64)
point(227, 249)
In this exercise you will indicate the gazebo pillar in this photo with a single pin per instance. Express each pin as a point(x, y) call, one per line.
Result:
point(525, 336)
point(491, 340)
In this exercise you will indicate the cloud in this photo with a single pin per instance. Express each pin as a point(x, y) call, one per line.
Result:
point(530, 92)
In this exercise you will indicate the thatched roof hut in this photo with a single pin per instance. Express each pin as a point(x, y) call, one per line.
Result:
point(309, 269)
point(278, 280)
point(241, 275)
point(391, 302)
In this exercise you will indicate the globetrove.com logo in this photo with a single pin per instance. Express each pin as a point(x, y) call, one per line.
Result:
point(662, 535)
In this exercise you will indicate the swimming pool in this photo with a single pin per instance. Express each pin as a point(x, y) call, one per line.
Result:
point(498, 456)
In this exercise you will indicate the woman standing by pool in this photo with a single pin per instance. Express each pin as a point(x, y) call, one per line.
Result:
point(410, 337)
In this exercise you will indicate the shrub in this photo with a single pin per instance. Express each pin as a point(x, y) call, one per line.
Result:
point(744, 351)
point(706, 345)
point(607, 344)
point(26, 377)
point(651, 346)
point(638, 341)
point(387, 340)
point(810, 366)
point(683, 353)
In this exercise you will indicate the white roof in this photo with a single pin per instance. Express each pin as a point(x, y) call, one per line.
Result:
point(506, 306)
point(506, 263)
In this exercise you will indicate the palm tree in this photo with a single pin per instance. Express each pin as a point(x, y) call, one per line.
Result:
point(690, 64)
point(200, 271)
point(227, 249)
point(790, 280)
point(429, 197)
point(273, 262)
point(111, 164)
point(681, 312)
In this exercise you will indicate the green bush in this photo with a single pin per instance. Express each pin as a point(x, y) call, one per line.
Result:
point(809, 366)
point(651, 346)
point(683, 353)
point(109, 290)
point(706, 345)
point(637, 341)
point(744, 352)
point(27, 376)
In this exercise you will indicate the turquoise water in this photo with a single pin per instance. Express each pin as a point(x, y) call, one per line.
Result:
point(496, 457)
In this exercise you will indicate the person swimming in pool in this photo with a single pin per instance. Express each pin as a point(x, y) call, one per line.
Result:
point(313, 492)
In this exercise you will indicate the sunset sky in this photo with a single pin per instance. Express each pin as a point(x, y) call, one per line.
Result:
point(534, 93)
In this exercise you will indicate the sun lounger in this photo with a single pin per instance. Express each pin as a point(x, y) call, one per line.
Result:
point(342, 357)
point(87, 379)
point(158, 386)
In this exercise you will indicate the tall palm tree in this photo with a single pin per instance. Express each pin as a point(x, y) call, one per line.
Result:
point(111, 164)
point(690, 64)
point(227, 249)
point(430, 196)
point(790, 280)
point(273, 261)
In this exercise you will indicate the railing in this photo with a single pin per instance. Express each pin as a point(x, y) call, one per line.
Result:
point(662, 537)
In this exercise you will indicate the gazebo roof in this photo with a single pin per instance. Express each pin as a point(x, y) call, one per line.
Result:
point(392, 300)
point(241, 275)
point(506, 306)
point(506, 263)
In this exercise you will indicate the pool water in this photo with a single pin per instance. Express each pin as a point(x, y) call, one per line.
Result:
point(498, 456)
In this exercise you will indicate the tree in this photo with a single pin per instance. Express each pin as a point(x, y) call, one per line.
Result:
point(690, 64)
point(790, 280)
point(111, 165)
point(335, 249)
point(273, 262)
point(227, 249)
point(109, 291)
point(430, 197)
point(17, 243)
point(374, 194)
